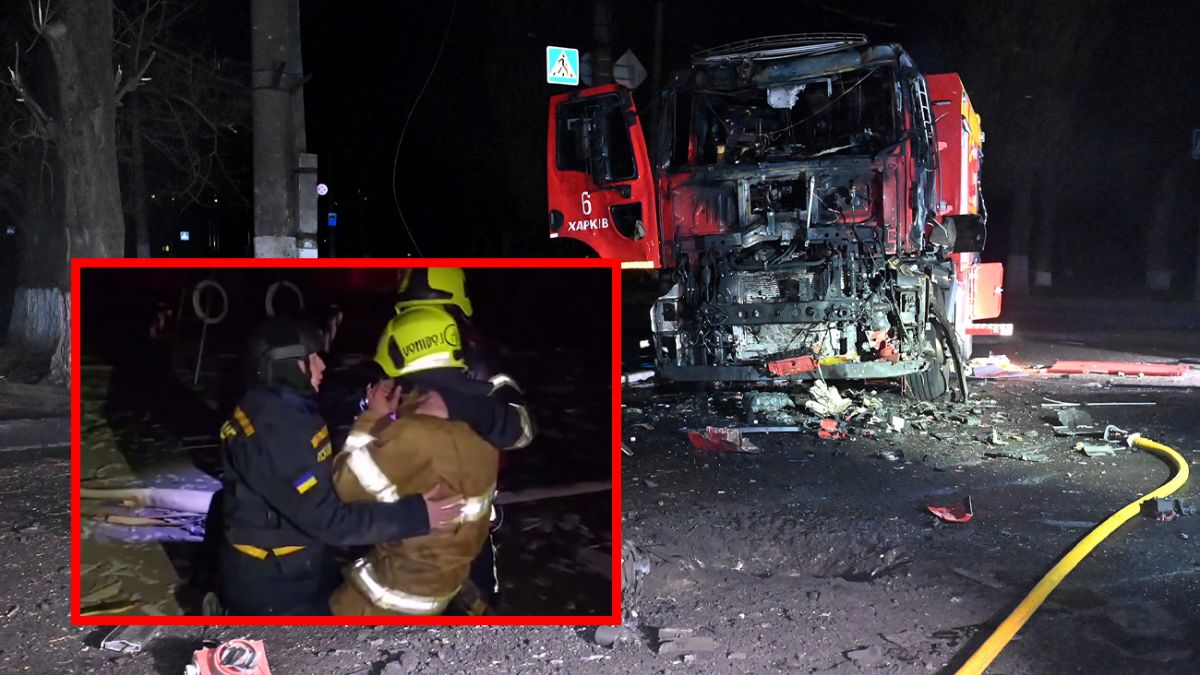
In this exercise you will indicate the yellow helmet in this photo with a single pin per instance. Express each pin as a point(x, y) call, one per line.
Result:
point(426, 286)
point(420, 338)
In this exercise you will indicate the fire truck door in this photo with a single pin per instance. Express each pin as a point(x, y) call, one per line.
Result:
point(600, 183)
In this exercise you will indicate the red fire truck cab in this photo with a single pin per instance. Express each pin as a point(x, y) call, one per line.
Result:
point(812, 207)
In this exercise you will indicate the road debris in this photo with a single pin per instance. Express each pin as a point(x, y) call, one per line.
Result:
point(1023, 455)
point(1052, 403)
point(722, 439)
point(993, 367)
point(955, 514)
point(129, 639)
point(1166, 509)
point(1075, 422)
point(826, 401)
point(769, 430)
point(996, 437)
point(979, 578)
point(832, 429)
point(1096, 449)
point(681, 641)
point(889, 455)
point(625, 449)
point(767, 401)
point(1118, 368)
point(635, 565)
point(608, 636)
point(235, 657)
point(866, 656)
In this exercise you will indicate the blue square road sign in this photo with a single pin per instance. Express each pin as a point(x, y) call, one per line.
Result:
point(562, 66)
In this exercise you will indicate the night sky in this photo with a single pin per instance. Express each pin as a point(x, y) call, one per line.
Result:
point(471, 174)
point(471, 170)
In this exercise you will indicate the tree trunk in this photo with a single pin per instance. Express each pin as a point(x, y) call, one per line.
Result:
point(81, 42)
point(41, 323)
point(35, 318)
point(60, 360)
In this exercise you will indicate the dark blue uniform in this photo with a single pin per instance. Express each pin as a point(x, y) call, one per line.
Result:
point(280, 511)
point(470, 400)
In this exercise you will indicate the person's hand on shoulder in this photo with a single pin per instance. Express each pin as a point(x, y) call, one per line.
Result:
point(432, 404)
point(444, 509)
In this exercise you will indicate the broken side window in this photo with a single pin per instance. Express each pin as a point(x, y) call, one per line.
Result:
point(621, 164)
point(593, 136)
point(572, 134)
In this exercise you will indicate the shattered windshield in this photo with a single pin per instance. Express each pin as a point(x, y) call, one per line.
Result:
point(850, 113)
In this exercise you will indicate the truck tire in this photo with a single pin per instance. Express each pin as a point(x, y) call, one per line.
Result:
point(944, 378)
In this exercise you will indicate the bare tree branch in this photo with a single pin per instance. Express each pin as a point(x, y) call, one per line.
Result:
point(43, 123)
point(135, 81)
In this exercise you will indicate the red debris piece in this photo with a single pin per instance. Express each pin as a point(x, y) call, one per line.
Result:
point(831, 429)
point(718, 439)
point(954, 514)
point(800, 364)
point(235, 657)
point(1118, 368)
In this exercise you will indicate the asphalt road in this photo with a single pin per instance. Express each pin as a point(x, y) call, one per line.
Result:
point(813, 556)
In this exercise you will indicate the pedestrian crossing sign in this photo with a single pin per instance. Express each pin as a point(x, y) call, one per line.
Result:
point(562, 66)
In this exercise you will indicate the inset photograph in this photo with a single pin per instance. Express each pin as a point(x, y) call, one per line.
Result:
point(387, 442)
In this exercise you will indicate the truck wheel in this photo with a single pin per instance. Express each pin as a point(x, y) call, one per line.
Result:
point(944, 378)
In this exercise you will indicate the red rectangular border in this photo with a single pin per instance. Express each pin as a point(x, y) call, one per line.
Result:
point(614, 267)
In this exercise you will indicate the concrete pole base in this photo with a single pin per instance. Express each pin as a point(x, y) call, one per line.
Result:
point(275, 247)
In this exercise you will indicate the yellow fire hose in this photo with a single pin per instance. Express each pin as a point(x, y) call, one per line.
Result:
point(999, 638)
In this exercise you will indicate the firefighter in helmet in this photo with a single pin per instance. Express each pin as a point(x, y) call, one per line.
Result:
point(501, 417)
point(384, 457)
point(279, 508)
point(504, 420)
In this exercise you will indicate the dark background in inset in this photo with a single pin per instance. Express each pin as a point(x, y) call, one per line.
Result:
point(549, 328)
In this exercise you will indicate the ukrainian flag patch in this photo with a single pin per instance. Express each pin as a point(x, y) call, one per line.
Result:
point(305, 483)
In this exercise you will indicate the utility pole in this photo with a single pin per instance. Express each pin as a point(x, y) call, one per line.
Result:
point(602, 60)
point(284, 223)
point(656, 70)
point(304, 183)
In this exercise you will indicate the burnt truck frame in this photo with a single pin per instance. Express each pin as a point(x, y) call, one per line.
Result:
point(813, 208)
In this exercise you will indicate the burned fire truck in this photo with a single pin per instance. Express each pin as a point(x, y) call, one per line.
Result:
point(813, 207)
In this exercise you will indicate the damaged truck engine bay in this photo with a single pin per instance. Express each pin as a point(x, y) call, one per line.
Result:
point(808, 239)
